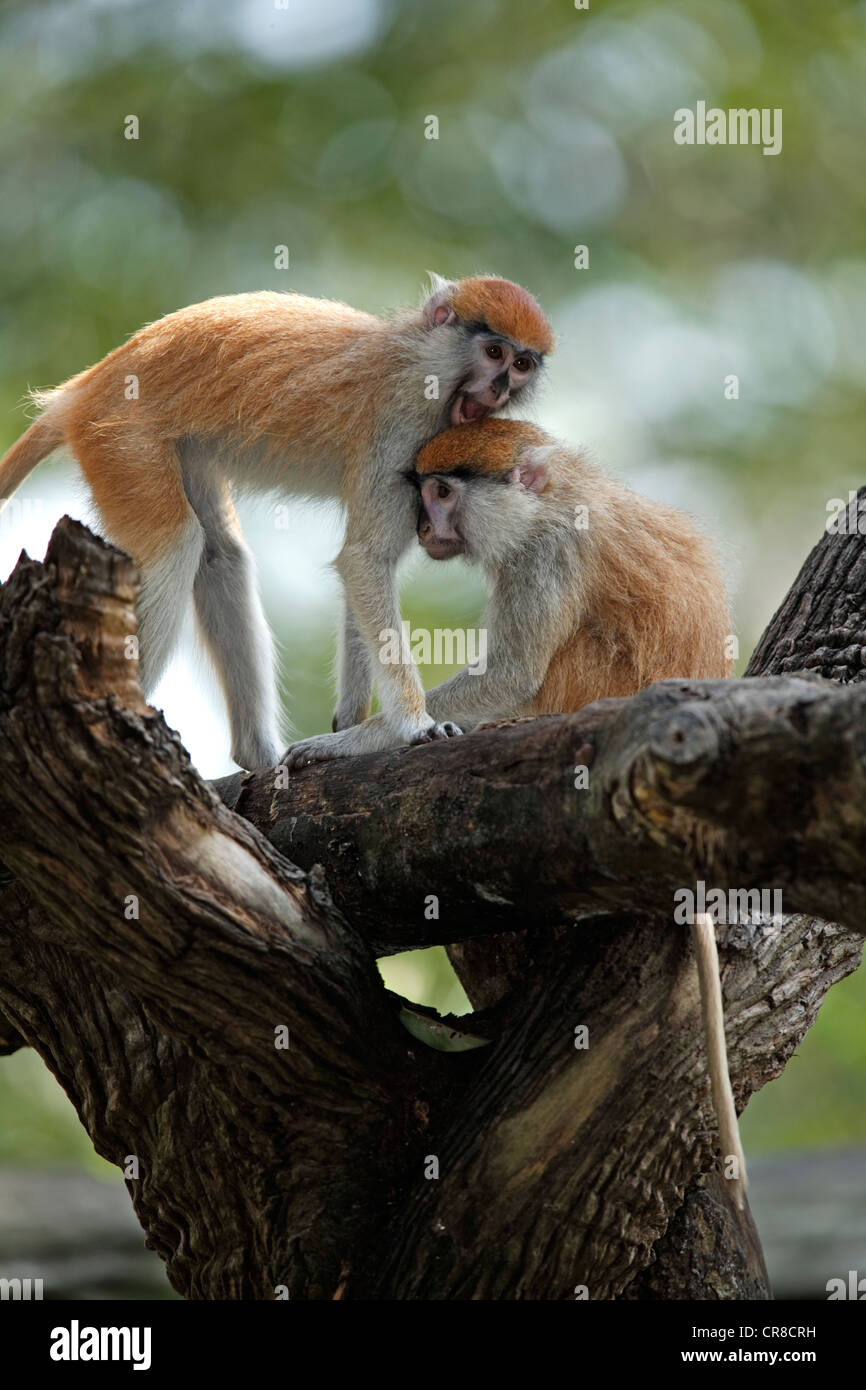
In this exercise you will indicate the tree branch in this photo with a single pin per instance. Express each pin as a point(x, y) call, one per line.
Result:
point(689, 780)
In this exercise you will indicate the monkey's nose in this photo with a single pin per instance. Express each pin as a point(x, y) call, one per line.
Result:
point(500, 384)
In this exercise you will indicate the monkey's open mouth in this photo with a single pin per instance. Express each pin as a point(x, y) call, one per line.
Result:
point(466, 408)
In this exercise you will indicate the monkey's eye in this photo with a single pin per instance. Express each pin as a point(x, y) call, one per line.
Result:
point(443, 491)
point(523, 364)
point(495, 351)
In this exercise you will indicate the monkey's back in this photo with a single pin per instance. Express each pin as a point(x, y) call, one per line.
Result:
point(653, 606)
point(263, 367)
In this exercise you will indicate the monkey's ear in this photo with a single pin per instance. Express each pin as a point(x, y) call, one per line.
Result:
point(437, 306)
point(532, 473)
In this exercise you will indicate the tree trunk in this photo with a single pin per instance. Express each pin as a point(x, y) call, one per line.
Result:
point(157, 941)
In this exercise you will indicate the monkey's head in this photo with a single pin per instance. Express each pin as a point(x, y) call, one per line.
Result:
point(500, 336)
point(480, 487)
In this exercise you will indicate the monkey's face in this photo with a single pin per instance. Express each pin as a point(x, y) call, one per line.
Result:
point(484, 517)
point(498, 370)
point(491, 337)
point(442, 502)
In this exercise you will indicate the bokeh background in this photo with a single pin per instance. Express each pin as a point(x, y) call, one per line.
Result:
point(262, 125)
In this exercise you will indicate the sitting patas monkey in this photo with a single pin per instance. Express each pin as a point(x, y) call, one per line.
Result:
point(285, 393)
point(593, 591)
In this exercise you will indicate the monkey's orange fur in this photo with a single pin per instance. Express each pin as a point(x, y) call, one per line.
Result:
point(648, 594)
point(488, 447)
point(266, 367)
point(506, 308)
point(306, 396)
point(227, 366)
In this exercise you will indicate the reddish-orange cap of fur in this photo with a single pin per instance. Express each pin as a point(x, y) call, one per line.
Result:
point(505, 308)
point(485, 446)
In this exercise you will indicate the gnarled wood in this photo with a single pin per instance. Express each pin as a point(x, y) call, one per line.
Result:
point(558, 1166)
point(689, 780)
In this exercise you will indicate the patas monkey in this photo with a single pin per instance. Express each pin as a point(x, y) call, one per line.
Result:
point(284, 392)
point(594, 592)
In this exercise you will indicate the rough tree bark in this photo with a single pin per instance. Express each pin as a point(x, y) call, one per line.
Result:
point(154, 937)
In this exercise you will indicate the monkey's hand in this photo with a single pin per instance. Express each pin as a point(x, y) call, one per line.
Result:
point(437, 732)
point(373, 736)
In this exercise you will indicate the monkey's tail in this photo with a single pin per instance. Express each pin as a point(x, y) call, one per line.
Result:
point(707, 956)
point(35, 444)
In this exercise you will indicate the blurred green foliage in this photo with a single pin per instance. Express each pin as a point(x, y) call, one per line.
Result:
point(304, 125)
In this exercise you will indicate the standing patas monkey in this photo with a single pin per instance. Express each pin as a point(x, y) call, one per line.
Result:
point(283, 392)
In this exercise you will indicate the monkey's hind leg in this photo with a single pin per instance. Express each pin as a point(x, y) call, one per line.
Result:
point(166, 585)
point(143, 508)
point(233, 624)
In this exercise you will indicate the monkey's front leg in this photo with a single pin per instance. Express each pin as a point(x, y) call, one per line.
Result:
point(468, 696)
point(367, 565)
point(473, 696)
point(355, 674)
point(372, 591)
point(468, 704)
point(375, 735)
point(525, 626)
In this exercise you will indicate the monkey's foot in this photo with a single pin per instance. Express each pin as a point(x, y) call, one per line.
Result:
point(322, 748)
point(373, 736)
point(256, 753)
point(437, 732)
